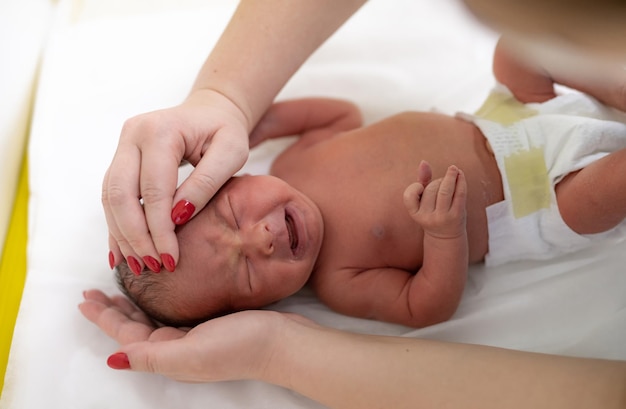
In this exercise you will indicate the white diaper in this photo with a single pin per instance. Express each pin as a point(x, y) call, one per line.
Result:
point(535, 146)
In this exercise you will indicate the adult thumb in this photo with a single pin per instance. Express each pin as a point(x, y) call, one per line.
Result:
point(162, 358)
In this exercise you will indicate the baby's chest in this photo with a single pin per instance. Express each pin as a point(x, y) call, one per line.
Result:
point(367, 241)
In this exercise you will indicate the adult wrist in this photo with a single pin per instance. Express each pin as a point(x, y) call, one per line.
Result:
point(216, 97)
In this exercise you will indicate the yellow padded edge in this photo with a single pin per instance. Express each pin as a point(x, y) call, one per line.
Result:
point(13, 268)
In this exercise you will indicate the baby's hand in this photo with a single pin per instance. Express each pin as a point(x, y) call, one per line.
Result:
point(439, 207)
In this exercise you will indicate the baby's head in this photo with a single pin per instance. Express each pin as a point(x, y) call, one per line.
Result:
point(255, 243)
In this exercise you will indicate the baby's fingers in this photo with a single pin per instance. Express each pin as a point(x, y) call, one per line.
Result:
point(424, 173)
point(460, 192)
point(447, 188)
point(412, 196)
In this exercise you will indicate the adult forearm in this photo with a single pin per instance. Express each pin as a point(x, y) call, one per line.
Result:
point(264, 44)
point(344, 370)
point(530, 73)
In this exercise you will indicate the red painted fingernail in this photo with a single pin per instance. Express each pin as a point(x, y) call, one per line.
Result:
point(152, 263)
point(134, 265)
point(168, 262)
point(182, 212)
point(111, 260)
point(118, 360)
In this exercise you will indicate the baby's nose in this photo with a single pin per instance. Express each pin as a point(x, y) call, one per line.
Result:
point(260, 239)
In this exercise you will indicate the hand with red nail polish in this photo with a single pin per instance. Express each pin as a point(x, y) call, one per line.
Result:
point(182, 212)
point(168, 262)
point(111, 260)
point(134, 265)
point(207, 130)
point(152, 263)
point(237, 346)
point(337, 368)
point(118, 360)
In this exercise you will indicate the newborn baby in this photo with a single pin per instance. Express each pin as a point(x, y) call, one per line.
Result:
point(382, 221)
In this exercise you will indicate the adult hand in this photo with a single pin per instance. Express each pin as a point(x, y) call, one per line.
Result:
point(338, 368)
point(209, 131)
point(236, 346)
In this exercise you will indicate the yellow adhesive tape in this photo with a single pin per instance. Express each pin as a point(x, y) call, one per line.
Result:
point(528, 180)
point(504, 109)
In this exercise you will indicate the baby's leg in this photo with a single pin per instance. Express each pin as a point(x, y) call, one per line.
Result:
point(593, 199)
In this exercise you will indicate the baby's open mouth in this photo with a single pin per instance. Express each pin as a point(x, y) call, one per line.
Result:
point(292, 231)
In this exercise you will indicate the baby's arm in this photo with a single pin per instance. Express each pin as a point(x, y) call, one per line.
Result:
point(439, 207)
point(433, 294)
point(533, 81)
point(314, 119)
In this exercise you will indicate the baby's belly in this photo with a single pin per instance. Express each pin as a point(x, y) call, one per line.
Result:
point(484, 187)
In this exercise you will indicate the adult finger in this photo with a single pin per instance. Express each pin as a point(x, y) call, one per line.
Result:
point(224, 156)
point(118, 302)
point(175, 358)
point(130, 310)
point(115, 253)
point(124, 213)
point(158, 180)
point(114, 323)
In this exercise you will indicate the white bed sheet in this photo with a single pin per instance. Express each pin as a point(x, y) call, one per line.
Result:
point(392, 56)
point(23, 29)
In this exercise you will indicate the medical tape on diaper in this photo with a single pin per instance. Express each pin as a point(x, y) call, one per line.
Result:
point(504, 109)
point(526, 170)
point(528, 180)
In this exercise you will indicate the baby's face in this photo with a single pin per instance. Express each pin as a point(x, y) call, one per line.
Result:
point(255, 243)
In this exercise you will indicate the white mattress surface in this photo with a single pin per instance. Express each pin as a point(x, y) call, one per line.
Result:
point(391, 56)
point(23, 29)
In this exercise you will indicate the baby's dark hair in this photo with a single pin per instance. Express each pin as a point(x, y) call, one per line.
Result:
point(157, 295)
